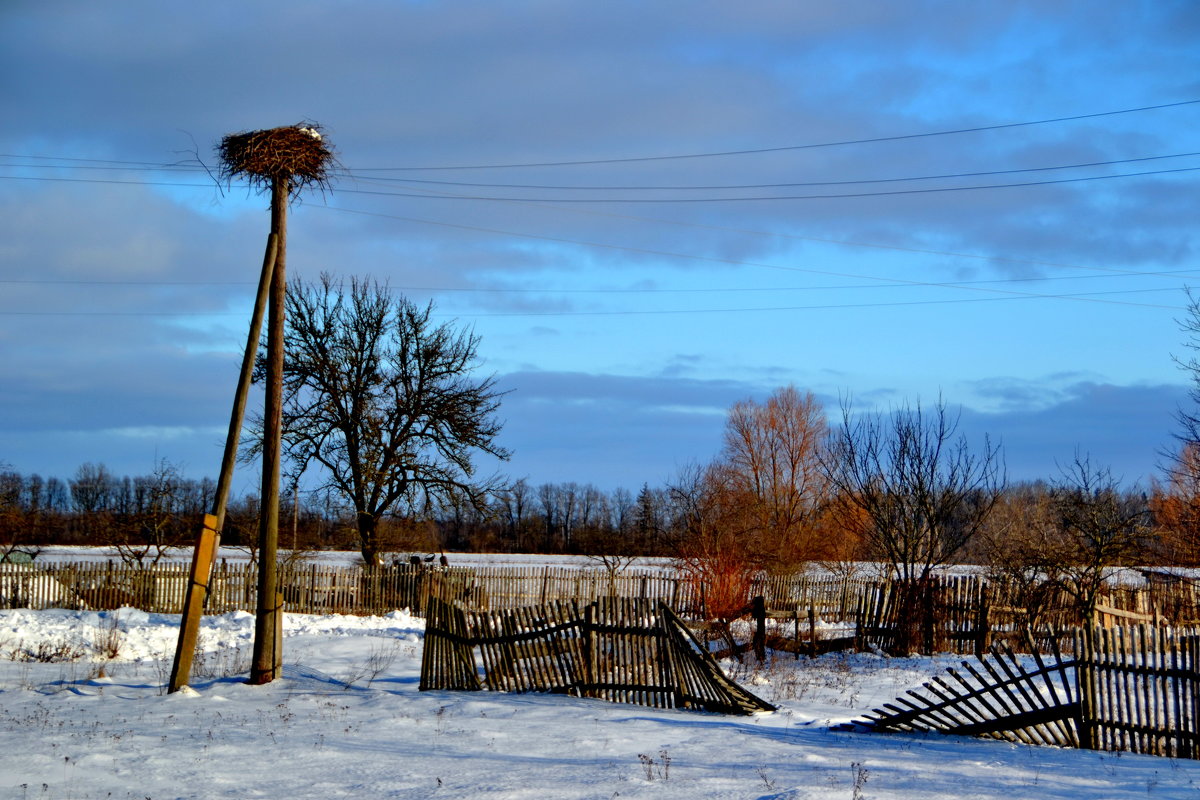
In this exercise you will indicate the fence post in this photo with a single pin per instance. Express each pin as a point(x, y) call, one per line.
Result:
point(591, 666)
point(928, 588)
point(796, 629)
point(759, 610)
point(858, 621)
point(1085, 681)
point(983, 622)
point(1192, 660)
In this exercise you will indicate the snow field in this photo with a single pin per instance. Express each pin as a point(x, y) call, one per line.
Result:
point(347, 720)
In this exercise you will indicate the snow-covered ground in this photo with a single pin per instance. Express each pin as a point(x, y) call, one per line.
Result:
point(347, 720)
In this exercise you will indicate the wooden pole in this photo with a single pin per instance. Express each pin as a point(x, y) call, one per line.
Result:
point(759, 610)
point(268, 650)
point(209, 538)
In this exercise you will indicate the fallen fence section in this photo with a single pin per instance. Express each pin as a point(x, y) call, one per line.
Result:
point(1000, 700)
point(617, 649)
point(1127, 689)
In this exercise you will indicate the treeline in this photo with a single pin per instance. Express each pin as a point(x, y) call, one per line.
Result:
point(786, 490)
point(145, 515)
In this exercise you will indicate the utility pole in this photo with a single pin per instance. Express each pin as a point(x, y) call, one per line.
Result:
point(268, 619)
point(283, 160)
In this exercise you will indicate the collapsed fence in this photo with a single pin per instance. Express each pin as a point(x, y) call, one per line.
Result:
point(617, 649)
point(1126, 689)
point(961, 614)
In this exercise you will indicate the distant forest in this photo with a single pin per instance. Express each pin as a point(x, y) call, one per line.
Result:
point(146, 516)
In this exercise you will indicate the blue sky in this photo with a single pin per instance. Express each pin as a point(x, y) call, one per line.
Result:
point(646, 211)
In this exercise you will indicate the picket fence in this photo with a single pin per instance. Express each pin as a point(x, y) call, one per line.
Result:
point(961, 614)
point(624, 650)
point(1126, 689)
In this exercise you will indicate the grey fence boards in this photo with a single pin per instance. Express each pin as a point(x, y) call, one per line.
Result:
point(1133, 689)
point(624, 650)
point(954, 613)
point(1000, 699)
point(1140, 690)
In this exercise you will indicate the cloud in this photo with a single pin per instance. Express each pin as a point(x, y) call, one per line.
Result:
point(623, 395)
point(612, 430)
point(416, 84)
point(1124, 427)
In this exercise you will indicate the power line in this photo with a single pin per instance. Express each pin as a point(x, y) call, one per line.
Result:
point(1083, 297)
point(954, 254)
point(104, 181)
point(754, 151)
point(643, 200)
point(772, 198)
point(559, 290)
point(657, 220)
point(128, 164)
point(668, 253)
point(732, 187)
point(1086, 296)
point(678, 255)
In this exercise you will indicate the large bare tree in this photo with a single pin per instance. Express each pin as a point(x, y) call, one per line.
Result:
point(916, 492)
point(384, 400)
point(922, 493)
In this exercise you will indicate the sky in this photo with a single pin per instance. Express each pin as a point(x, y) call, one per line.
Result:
point(646, 212)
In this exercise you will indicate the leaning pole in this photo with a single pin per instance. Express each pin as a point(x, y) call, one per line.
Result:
point(283, 161)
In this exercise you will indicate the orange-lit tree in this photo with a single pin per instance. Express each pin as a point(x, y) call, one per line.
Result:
point(770, 476)
point(1175, 505)
point(758, 506)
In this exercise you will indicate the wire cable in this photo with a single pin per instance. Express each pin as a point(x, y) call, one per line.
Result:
point(772, 198)
point(653, 312)
point(755, 151)
point(733, 187)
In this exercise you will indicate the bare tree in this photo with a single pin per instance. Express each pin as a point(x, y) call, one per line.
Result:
point(921, 491)
point(154, 523)
point(92, 488)
point(19, 512)
point(1022, 553)
point(1093, 526)
point(383, 400)
point(514, 503)
point(715, 550)
point(1175, 504)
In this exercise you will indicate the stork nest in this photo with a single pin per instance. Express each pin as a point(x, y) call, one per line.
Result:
point(297, 154)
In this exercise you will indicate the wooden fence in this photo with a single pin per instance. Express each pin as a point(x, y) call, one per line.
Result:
point(1132, 689)
point(1139, 690)
point(960, 614)
point(624, 650)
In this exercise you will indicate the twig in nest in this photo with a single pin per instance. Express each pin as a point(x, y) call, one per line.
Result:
point(297, 154)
